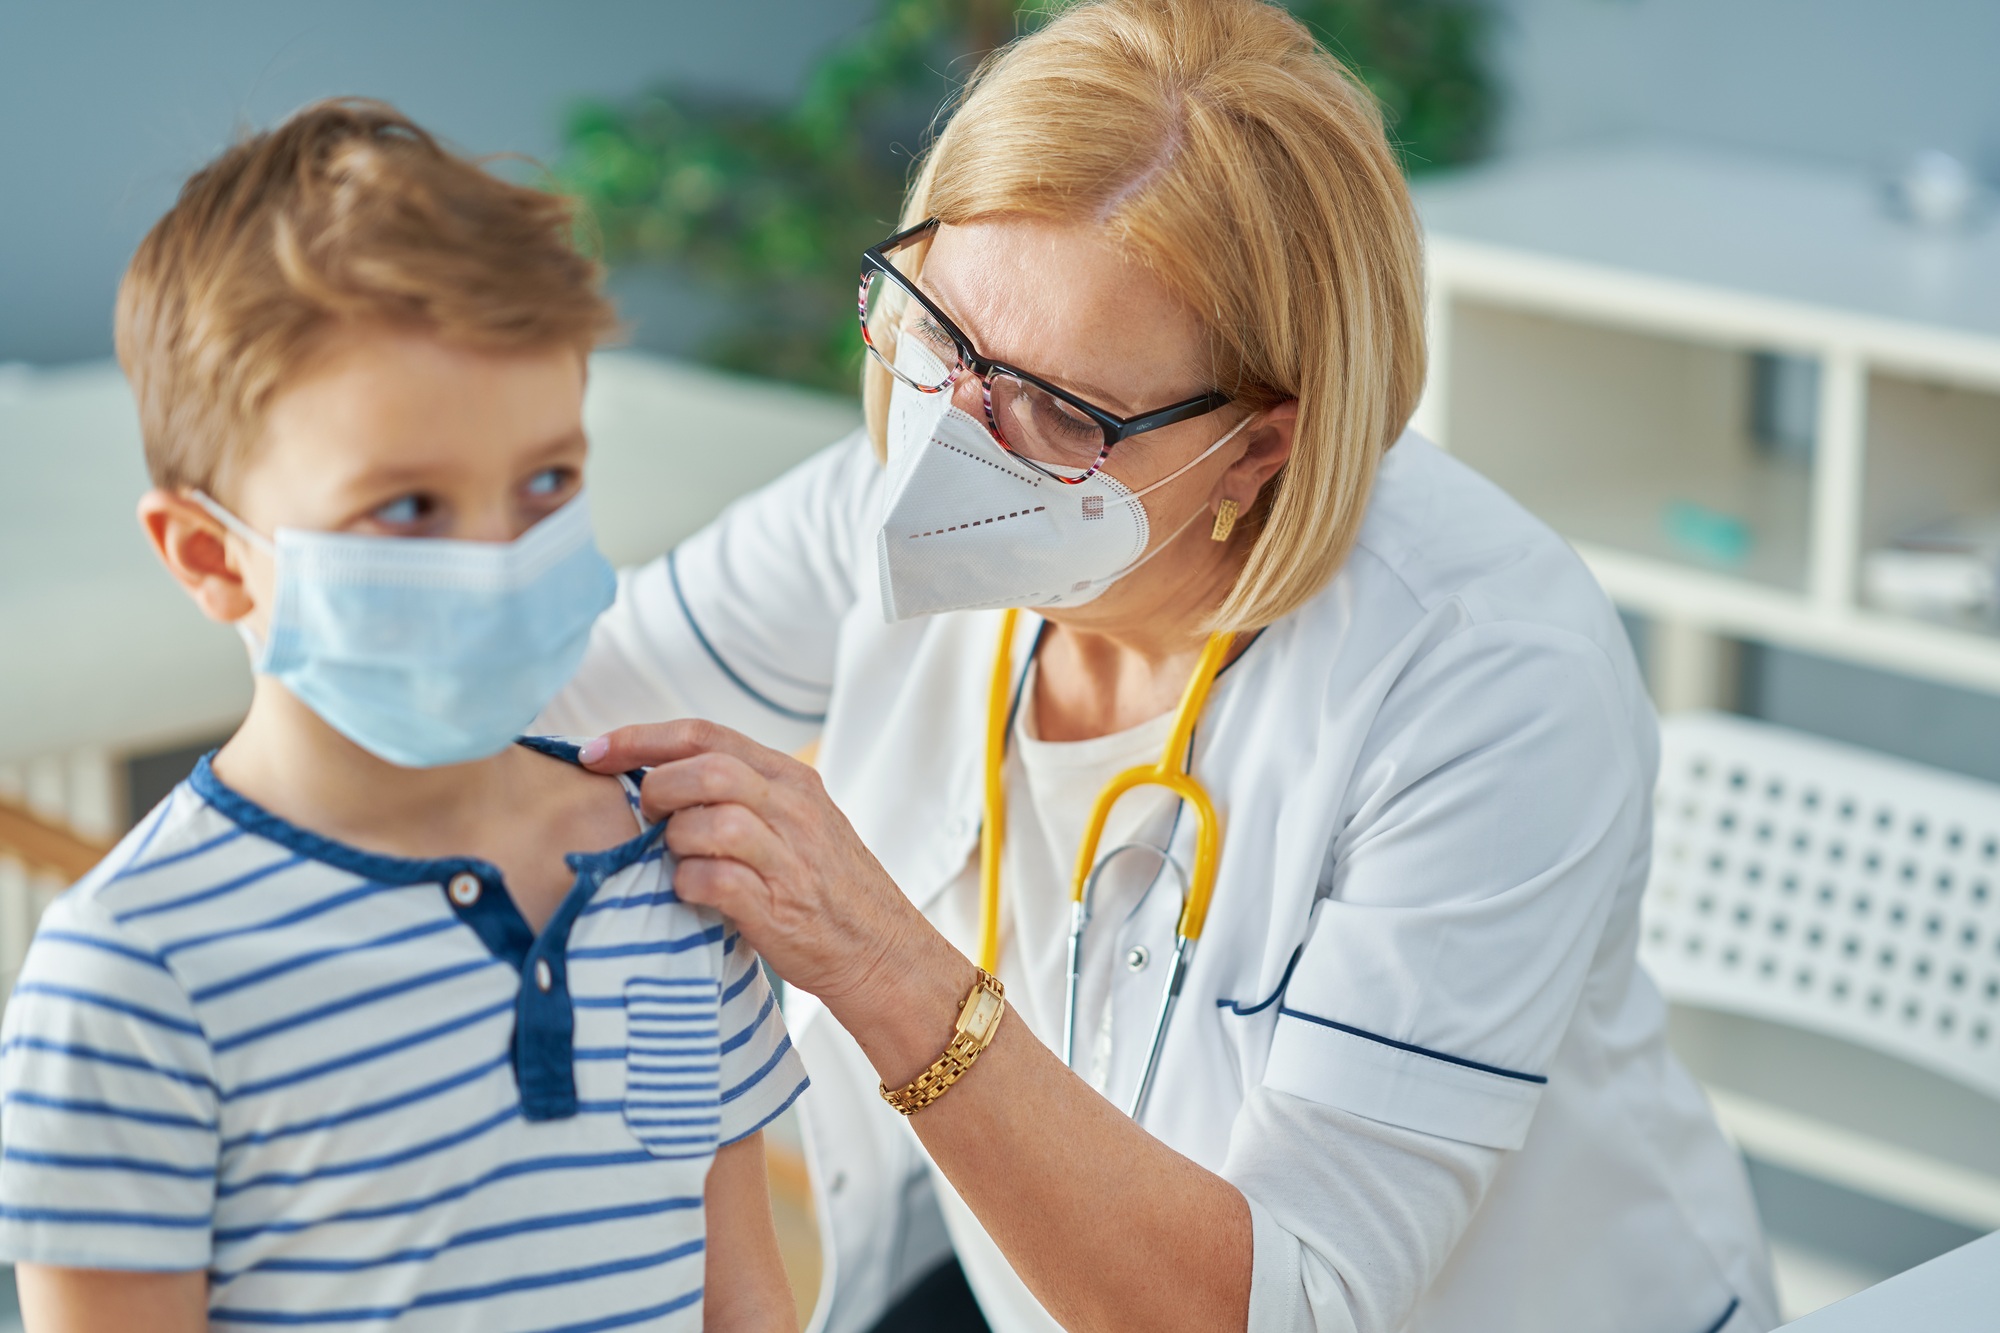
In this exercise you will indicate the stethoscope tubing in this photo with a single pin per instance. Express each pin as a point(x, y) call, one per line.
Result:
point(1000, 724)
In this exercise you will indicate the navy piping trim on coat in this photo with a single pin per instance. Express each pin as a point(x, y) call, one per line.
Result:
point(1242, 1010)
point(1727, 1315)
point(674, 577)
point(1289, 1012)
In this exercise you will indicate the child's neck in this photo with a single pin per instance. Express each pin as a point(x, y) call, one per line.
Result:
point(286, 759)
point(519, 810)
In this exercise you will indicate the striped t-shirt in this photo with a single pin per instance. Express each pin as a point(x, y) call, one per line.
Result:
point(360, 1093)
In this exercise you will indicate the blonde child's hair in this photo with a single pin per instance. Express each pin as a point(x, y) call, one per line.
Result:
point(1228, 151)
point(347, 214)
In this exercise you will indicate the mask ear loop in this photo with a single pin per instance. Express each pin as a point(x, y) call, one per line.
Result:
point(233, 523)
point(1231, 434)
point(1174, 536)
point(255, 538)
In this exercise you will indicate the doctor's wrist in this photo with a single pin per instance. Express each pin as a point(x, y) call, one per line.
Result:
point(910, 1012)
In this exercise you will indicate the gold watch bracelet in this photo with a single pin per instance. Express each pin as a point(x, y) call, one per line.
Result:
point(978, 1019)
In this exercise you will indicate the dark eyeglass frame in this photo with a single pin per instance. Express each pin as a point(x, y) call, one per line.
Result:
point(1116, 429)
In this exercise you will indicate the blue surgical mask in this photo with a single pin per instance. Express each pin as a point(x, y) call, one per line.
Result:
point(425, 651)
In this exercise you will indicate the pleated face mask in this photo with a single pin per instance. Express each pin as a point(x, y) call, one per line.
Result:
point(967, 526)
point(424, 651)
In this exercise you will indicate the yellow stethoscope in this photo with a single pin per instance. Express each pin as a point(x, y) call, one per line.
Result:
point(1171, 773)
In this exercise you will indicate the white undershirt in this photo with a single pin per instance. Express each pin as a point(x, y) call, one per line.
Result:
point(1323, 1258)
point(1051, 788)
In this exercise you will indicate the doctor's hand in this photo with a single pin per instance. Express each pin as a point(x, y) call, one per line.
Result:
point(760, 840)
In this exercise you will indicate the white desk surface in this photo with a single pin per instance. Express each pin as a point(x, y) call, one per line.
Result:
point(99, 648)
point(1775, 227)
point(1957, 1292)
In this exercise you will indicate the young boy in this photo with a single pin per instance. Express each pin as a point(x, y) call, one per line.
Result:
point(349, 1031)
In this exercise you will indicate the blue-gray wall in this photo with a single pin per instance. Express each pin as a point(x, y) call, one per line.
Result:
point(106, 105)
point(1861, 82)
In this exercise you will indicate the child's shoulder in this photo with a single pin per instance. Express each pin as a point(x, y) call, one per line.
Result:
point(181, 841)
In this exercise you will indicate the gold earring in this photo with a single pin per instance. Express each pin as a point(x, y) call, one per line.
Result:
point(1225, 521)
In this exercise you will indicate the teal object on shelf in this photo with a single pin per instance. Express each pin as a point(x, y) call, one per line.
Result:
point(1706, 534)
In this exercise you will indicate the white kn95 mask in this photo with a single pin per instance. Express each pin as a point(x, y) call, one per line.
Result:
point(967, 526)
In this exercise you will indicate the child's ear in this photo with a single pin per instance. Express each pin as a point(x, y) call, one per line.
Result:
point(190, 544)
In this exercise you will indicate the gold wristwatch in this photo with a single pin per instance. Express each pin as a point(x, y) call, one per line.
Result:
point(978, 1020)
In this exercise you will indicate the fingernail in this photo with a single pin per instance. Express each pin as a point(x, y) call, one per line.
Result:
point(593, 751)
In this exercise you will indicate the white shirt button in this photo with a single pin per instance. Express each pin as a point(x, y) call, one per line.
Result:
point(544, 978)
point(1136, 960)
point(464, 889)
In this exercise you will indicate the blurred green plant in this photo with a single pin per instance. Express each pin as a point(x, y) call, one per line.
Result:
point(773, 205)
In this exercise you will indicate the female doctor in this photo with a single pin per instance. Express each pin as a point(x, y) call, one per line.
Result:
point(1353, 1037)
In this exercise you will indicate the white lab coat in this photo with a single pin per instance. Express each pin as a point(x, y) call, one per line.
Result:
point(1435, 780)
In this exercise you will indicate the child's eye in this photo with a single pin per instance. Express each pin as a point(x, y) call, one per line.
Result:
point(550, 481)
point(404, 511)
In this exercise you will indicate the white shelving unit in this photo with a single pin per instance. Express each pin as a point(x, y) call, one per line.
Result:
point(1596, 320)
point(1593, 323)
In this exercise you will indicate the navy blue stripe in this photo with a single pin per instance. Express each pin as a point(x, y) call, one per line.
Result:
point(783, 1107)
point(450, 1194)
point(476, 1236)
point(1243, 1011)
point(144, 1166)
point(732, 1094)
point(116, 1059)
point(674, 577)
point(663, 1104)
point(374, 1108)
point(76, 1106)
point(657, 898)
point(362, 1165)
point(297, 961)
point(372, 995)
point(731, 1042)
point(1289, 1012)
point(742, 983)
point(391, 1047)
point(115, 1005)
point(646, 1315)
point(157, 822)
point(104, 1217)
point(242, 881)
point(459, 1295)
point(678, 944)
point(310, 910)
point(107, 946)
point(1727, 1315)
point(175, 858)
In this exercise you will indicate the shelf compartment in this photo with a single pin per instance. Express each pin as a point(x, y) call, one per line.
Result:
point(1932, 457)
point(1628, 440)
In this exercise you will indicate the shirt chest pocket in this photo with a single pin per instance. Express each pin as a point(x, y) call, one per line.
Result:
point(673, 1064)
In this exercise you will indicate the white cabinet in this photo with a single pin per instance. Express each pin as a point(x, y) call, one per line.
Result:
point(1597, 324)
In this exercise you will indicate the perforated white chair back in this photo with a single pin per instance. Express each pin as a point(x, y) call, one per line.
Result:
point(1828, 887)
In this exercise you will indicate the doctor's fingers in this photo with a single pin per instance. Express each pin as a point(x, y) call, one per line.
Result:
point(730, 832)
point(704, 779)
point(649, 744)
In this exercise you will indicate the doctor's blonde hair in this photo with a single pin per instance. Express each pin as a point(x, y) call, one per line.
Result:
point(1228, 151)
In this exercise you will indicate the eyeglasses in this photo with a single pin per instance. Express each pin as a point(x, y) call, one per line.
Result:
point(1050, 429)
